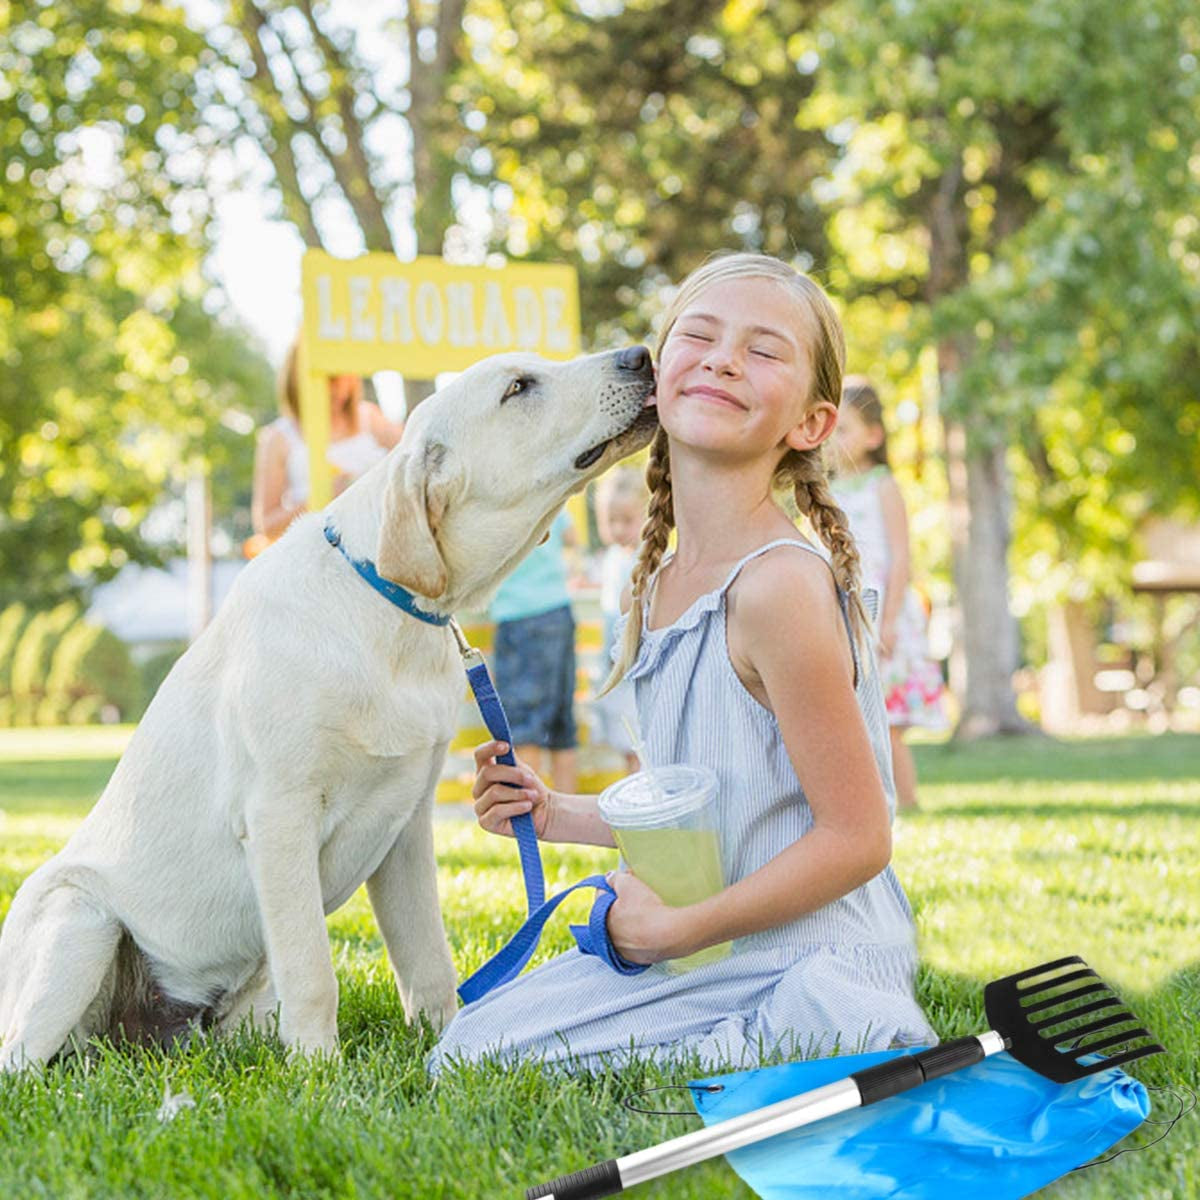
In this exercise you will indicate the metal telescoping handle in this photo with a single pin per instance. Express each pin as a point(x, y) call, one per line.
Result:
point(711, 1142)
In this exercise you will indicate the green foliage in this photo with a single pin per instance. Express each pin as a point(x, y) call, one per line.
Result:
point(1032, 170)
point(113, 368)
point(32, 658)
point(157, 667)
point(637, 142)
point(12, 624)
point(91, 669)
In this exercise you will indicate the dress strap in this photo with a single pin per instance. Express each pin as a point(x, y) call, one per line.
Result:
point(843, 598)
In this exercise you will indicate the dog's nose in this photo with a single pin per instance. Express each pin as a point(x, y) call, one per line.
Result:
point(634, 358)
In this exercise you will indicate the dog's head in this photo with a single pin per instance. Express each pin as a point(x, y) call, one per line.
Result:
point(486, 463)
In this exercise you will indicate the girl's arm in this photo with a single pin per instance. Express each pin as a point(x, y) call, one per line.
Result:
point(268, 513)
point(789, 645)
point(895, 525)
point(576, 818)
point(557, 816)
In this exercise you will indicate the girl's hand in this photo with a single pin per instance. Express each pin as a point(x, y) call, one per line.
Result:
point(643, 929)
point(496, 803)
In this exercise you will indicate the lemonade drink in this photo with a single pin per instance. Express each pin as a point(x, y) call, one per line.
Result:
point(683, 866)
point(661, 820)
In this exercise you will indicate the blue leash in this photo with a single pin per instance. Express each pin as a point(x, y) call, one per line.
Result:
point(592, 938)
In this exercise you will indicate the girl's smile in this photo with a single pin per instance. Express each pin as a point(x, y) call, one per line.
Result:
point(717, 395)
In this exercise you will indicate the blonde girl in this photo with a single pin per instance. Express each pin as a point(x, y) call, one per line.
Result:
point(749, 650)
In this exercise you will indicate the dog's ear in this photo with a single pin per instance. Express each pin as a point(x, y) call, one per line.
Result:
point(413, 504)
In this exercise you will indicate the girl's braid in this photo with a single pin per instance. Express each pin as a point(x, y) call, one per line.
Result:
point(656, 532)
point(815, 501)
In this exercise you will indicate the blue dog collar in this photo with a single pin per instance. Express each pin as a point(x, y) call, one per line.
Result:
point(401, 597)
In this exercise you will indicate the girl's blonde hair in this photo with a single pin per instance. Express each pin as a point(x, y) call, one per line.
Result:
point(802, 471)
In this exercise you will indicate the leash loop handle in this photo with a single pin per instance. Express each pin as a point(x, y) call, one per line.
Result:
point(509, 961)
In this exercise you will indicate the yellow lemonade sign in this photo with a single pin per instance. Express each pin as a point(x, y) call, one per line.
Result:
point(426, 316)
point(422, 317)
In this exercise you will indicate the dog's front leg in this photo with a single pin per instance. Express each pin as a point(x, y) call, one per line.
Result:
point(283, 851)
point(404, 897)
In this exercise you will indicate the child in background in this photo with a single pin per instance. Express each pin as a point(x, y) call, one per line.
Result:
point(749, 655)
point(534, 657)
point(620, 511)
point(868, 494)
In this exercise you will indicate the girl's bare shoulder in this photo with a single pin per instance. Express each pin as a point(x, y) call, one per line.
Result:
point(784, 586)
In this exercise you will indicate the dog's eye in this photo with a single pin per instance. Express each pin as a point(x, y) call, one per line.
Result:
point(521, 384)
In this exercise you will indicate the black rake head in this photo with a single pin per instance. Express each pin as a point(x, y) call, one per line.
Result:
point(1064, 1022)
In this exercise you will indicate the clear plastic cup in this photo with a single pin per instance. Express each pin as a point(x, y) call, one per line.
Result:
point(663, 823)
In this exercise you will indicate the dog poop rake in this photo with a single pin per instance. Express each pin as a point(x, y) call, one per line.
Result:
point(1058, 1019)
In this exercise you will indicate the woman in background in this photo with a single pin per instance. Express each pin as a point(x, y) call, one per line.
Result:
point(359, 436)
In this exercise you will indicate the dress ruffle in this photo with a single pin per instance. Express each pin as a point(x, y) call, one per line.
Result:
point(655, 642)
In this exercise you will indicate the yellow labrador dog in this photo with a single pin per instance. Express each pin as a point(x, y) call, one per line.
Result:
point(293, 752)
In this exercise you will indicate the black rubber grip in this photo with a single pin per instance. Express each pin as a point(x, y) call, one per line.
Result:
point(910, 1071)
point(601, 1180)
point(888, 1079)
point(950, 1056)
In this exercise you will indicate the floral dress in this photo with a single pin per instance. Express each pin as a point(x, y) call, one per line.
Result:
point(912, 681)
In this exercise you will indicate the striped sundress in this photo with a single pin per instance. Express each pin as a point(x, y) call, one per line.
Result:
point(840, 977)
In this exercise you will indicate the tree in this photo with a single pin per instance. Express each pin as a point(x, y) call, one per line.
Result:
point(322, 102)
point(112, 368)
point(634, 144)
point(983, 135)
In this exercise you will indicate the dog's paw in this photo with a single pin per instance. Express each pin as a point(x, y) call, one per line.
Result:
point(313, 1047)
point(438, 1004)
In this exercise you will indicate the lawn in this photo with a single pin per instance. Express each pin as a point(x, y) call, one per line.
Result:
point(1022, 851)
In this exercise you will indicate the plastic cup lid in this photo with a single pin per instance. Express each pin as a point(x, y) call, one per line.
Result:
point(657, 796)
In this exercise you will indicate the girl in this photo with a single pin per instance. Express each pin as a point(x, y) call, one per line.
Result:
point(866, 491)
point(747, 648)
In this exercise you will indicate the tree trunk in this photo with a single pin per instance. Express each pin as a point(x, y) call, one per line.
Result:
point(979, 531)
point(429, 110)
point(985, 634)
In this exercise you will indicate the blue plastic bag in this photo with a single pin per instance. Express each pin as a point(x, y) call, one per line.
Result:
point(996, 1129)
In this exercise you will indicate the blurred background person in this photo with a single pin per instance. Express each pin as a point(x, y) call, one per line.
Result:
point(867, 492)
point(359, 436)
point(620, 513)
point(534, 656)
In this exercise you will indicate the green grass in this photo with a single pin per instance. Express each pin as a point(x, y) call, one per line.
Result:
point(1022, 851)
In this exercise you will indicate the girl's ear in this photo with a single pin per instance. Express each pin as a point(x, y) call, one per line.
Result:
point(813, 428)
